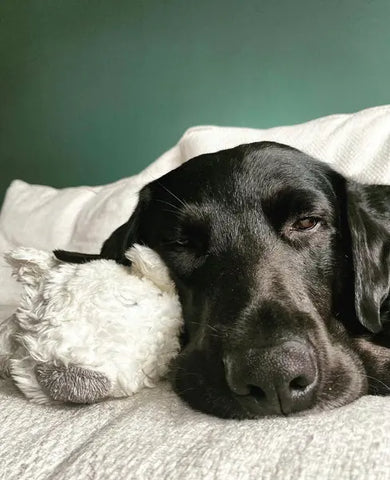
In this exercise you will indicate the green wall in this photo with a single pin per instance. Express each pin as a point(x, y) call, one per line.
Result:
point(91, 91)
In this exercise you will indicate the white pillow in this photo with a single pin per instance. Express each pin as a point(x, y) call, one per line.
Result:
point(357, 145)
point(81, 218)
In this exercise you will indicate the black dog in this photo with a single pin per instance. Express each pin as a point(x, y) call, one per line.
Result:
point(282, 268)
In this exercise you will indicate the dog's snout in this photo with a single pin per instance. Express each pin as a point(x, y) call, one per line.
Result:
point(278, 379)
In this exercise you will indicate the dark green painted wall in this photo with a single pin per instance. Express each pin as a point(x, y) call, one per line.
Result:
point(91, 91)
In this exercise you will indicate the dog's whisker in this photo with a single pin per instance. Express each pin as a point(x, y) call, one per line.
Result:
point(173, 212)
point(184, 203)
point(175, 207)
point(171, 193)
point(206, 325)
point(180, 392)
point(379, 381)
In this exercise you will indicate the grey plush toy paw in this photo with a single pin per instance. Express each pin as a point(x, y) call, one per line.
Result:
point(71, 383)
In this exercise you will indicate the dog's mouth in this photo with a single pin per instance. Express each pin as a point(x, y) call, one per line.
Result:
point(302, 383)
point(203, 387)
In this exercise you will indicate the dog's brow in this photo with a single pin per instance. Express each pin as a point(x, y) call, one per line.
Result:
point(195, 212)
point(294, 201)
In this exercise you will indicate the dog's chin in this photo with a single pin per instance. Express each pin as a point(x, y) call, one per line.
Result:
point(199, 381)
point(195, 388)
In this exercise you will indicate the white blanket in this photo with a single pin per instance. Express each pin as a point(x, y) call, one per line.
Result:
point(154, 435)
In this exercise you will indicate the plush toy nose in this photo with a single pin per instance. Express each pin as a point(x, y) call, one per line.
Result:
point(282, 379)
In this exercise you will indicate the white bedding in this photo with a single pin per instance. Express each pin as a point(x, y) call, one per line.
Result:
point(153, 435)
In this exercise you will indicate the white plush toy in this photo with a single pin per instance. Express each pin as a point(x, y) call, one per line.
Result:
point(84, 332)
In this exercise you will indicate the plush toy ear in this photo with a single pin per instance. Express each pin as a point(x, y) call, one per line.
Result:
point(369, 225)
point(29, 264)
point(145, 262)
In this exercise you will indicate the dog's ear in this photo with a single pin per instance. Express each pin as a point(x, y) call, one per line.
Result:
point(118, 242)
point(369, 226)
point(127, 234)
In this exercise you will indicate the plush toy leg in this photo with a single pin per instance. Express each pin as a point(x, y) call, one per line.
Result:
point(8, 328)
point(4, 366)
point(22, 371)
point(72, 384)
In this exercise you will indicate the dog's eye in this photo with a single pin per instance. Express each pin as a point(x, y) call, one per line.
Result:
point(196, 244)
point(182, 242)
point(306, 223)
point(191, 240)
point(188, 237)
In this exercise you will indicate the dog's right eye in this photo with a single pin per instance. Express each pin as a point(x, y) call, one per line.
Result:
point(195, 243)
point(185, 251)
point(189, 238)
point(182, 242)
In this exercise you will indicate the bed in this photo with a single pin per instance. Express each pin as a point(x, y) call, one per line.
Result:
point(153, 435)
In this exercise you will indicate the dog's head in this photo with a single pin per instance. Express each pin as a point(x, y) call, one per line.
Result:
point(279, 263)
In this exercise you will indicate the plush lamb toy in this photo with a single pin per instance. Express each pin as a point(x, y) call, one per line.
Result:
point(89, 331)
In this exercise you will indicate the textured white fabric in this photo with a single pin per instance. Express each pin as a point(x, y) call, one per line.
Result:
point(357, 145)
point(153, 435)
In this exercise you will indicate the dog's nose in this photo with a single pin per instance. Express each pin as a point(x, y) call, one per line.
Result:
point(280, 379)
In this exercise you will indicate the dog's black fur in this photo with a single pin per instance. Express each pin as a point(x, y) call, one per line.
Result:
point(282, 269)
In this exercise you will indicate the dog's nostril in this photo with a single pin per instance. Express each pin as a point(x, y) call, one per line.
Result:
point(299, 383)
point(279, 379)
point(256, 392)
